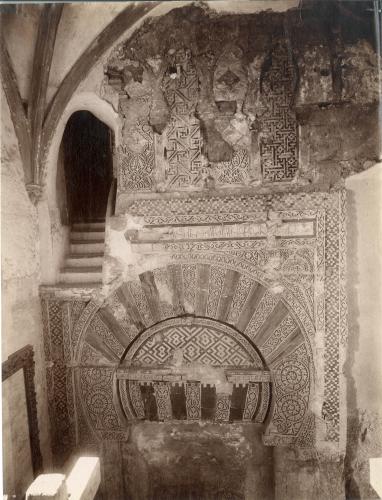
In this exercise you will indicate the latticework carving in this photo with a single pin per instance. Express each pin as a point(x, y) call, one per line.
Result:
point(90, 356)
point(263, 310)
point(235, 171)
point(264, 402)
point(57, 340)
point(163, 283)
point(189, 285)
point(183, 136)
point(136, 399)
point(199, 343)
point(139, 296)
point(97, 397)
point(303, 262)
point(55, 326)
point(163, 401)
point(278, 145)
point(194, 353)
point(291, 388)
point(306, 436)
point(239, 298)
point(334, 231)
point(292, 375)
point(279, 335)
point(121, 315)
point(251, 401)
point(98, 328)
point(193, 400)
point(223, 405)
point(135, 169)
point(217, 275)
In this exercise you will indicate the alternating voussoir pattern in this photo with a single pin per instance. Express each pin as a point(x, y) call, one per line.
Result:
point(226, 296)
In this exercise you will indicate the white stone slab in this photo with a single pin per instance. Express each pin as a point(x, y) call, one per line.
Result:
point(376, 475)
point(223, 231)
point(48, 487)
point(84, 479)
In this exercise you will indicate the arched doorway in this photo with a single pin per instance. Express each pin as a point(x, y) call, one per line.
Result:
point(88, 163)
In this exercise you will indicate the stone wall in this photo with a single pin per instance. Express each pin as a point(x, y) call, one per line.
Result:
point(302, 474)
point(17, 460)
point(193, 97)
point(255, 263)
point(364, 364)
point(21, 310)
point(212, 102)
point(162, 461)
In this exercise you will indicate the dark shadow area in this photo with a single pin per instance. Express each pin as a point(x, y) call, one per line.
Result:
point(88, 163)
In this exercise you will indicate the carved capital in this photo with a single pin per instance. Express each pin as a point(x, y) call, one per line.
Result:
point(34, 192)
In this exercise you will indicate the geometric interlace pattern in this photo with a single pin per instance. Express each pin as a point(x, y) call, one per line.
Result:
point(198, 343)
point(279, 145)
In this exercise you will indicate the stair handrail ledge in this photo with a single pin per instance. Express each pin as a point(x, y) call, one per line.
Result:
point(110, 210)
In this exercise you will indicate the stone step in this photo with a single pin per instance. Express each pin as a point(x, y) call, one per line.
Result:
point(84, 269)
point(88, 226)
point(87, 247)
point(84, 260)
point(87, 235)
point(80, 277)
point(78, 286)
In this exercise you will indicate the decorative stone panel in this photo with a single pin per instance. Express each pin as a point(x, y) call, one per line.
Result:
point(292, 244)
point(198, 354)
point(278, 138)
point(268, 268)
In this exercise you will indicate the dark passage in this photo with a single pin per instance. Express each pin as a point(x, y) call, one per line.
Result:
point(88, 166)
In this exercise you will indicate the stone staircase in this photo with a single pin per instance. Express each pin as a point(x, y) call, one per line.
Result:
point(83, 265)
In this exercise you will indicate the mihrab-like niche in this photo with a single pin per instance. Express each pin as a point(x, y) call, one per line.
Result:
point(194, 368)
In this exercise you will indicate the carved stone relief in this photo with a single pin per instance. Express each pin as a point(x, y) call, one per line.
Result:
point(278, 142)
point(184, 165)
point(230, 77)
point(238, 81)
point(205, 137)
point(172, 355)
point(58, 354)
point(136, 151)
point(294, 261)
point(271, 267)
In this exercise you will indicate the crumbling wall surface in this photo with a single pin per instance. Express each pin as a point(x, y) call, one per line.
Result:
point(17, 459)
point(175, 460)
point(337, 141)
point(364, 436)
point(304, 473)
point(21, 313)
point(364, 364)
point(201, 96)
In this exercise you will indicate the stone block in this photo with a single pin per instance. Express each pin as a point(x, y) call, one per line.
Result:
point(376, 474)
point(84, 479)
point(48, 487)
